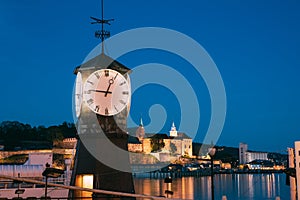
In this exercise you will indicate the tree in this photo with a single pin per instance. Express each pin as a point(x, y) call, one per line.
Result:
point(157, 144)
point(15, 134)
point(173, 148)
point(68, 129)
point(54, 134)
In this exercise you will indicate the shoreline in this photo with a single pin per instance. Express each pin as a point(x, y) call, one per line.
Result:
point(199, 173)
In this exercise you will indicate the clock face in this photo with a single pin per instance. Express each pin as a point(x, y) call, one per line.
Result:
point(106, 92)
point(78, 94)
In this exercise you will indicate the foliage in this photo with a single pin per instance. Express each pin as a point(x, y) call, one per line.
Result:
point(58, 161)
point(225, 154)
point(15, 159)
point(277, 157)
point(22, 136)
point(173, 148)
point(157, 144)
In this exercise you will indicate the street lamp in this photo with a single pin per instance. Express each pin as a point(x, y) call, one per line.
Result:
point(211, 153)
point(19, 190)
point(51, 172)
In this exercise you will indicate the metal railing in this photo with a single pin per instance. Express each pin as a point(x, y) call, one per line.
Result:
point(113, 194)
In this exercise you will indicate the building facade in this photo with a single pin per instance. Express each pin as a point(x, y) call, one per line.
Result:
point(176, 143)
point(246, 156)
point(243, 148)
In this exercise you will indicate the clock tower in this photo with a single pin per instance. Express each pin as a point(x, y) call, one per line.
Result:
point(102, 102)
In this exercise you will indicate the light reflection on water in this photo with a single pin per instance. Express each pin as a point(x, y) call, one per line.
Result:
point(234, 186)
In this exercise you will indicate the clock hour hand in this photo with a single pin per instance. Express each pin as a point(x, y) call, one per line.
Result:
point(102, 91)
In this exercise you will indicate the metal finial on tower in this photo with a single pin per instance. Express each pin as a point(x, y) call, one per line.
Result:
point(103, 34)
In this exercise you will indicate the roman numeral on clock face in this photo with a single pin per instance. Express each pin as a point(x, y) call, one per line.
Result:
point(116, 108)
point(90, 101)
point(122, 83)
point(106, 72)
point(97, 75)
point(122, 102)
point(90, 82)
point(115, 76)
point(97, 108)
point(125, 92)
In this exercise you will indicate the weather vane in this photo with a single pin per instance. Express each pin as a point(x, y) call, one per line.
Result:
point(103, 34)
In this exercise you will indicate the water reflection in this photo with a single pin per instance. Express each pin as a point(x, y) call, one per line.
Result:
point(234, 186)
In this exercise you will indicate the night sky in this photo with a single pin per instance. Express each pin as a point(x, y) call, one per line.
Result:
point(254, 44)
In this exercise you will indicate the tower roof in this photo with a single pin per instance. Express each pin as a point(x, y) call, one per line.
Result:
point(103, 61)
point(173, 128)
point(140, 132)
point(141, 122)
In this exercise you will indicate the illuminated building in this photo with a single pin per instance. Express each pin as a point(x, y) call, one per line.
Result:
point(176, 142)
point(246, 156)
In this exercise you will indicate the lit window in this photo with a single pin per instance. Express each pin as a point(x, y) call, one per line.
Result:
point(87, 181)
point(84, 181)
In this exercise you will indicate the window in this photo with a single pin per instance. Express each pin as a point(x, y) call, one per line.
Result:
point(87, 181)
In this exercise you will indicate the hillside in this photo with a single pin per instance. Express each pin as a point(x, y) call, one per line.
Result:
point(231, 154)
point(16, 136)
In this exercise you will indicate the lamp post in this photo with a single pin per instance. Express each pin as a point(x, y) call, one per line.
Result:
point(19, 190)
point(51, 172)
point(211, 153)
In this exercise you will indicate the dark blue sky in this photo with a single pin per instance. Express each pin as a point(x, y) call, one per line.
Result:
point(255, 45)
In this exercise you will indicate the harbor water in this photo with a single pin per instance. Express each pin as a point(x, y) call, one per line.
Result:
point(233, 186)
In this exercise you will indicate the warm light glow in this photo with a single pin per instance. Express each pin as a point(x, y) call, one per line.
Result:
point(84, 181)
point(87, 181)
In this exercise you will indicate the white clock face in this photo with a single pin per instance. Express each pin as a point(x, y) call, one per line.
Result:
point(78, 94)
point(106, 92)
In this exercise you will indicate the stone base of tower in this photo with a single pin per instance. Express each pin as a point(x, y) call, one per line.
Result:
point(89, 172)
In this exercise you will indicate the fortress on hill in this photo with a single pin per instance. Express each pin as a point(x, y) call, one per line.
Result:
point(176, 143)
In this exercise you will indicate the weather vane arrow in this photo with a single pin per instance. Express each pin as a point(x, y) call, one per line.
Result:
point(103, 34)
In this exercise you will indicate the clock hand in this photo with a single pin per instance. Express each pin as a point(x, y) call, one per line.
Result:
point(101, 91)
point(111, 81)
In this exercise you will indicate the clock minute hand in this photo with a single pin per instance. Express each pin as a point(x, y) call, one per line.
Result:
point(111, 81)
